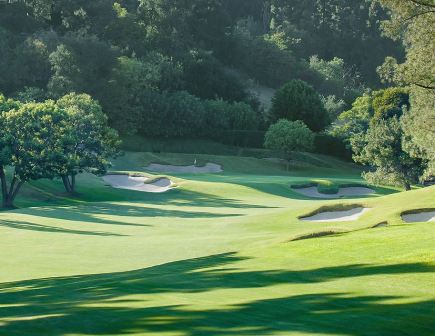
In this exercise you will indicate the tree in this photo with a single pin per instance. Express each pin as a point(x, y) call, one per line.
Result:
point(336, 78)
point(334, 106)
point(297, 100)
point(419, 128)
point(82, 63)
point(355, 121)
point(370, 108)
point(91, 143)
point(132, 82)
point(36, 134)
point(390, 102)
point(289, 136)
point(335, 28)
point(6, 105)
point(413, 22)
point(242, 117)
point(381, 148)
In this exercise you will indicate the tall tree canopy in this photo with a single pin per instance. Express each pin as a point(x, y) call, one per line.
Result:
point(413, 22)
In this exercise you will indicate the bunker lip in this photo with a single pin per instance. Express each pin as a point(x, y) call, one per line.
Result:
point(419, 216)
point(139, 183)
point(313, 192)
point(336, 215)
point(209, 168)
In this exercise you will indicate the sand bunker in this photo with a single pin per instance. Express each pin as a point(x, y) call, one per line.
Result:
point(337, 216)
point(427, 216)
point(207, 169)
point(343, 192)
point(139, 183)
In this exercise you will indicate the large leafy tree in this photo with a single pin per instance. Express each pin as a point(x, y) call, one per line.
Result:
point(91, 143)
point(369, 108)
point(36, 135)
point(297, 100)
point(381, 148)
point(413, 22)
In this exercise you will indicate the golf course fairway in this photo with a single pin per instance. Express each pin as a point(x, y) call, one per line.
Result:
point(220, 254)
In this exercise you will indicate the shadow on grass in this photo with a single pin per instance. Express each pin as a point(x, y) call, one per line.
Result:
point(99, 213)
point(97, 192)
point(23, 225)
point(117, 303)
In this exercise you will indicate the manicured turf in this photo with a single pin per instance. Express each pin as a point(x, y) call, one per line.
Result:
point(216, 256)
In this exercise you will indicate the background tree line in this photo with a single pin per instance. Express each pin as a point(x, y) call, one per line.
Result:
point(126, 52)
point(187, 68)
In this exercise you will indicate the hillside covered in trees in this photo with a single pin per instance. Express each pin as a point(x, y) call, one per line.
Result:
point(132, 55)
point(226, 70)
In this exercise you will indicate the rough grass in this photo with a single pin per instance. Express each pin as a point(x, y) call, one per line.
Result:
point(213, 257)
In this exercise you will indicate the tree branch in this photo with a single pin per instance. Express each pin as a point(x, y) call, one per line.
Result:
point(417, 15)
point(422, 3)
point(423, 86)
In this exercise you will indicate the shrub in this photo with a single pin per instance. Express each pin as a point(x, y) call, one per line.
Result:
point(297, 100)
point(168, 115)
point(288, 136)
point(242, 117)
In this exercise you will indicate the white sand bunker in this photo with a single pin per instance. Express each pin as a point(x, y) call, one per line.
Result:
point(139, 183)
point(337, 216)
point(425, 216)
point(343, 192)
point(193, 169)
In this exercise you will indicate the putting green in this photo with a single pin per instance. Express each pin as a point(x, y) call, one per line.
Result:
point(215, 256)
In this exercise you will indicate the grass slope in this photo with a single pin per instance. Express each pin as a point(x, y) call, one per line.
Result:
point(215, 257)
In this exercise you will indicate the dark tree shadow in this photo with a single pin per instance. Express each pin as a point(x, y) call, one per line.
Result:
point(23, 225)
point(92, 213)
point(98, 304)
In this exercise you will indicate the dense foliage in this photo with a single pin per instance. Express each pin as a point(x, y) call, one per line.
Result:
point(129, 54)
point(297, 100)
point(289, 136)
point(413, 22)
point(207, 68)
point(376, 130)
point(52, 139)
point(382, 149)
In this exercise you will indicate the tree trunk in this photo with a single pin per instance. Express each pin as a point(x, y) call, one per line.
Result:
point(8, 196)
point(407, 186)
point(66, 183)
point(12, 195)
point(4, 187)
point(3, 183)
point(73, 183)
point(69, 182)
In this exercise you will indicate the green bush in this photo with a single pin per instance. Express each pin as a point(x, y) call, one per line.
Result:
point(297, 100)
point(288, 136)
point(242, 117)
point(168, 115)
